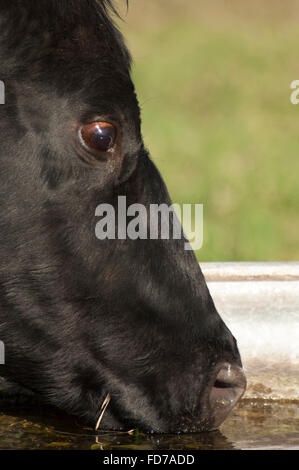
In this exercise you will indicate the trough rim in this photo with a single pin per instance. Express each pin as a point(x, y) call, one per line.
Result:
point(250, 271)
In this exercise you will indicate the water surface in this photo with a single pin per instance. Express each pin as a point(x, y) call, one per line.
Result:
point(252, 425)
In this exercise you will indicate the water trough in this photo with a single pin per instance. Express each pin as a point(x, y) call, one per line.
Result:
point(259, 302)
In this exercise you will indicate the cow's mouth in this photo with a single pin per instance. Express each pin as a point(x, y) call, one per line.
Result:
point(224, 390)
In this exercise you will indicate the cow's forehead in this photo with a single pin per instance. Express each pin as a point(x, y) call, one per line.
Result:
point(84, 32)
point(100, 44)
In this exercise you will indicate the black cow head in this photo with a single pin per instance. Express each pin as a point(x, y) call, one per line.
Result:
point(80, 317)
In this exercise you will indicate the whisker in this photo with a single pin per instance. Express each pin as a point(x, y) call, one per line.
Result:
point(102, 411)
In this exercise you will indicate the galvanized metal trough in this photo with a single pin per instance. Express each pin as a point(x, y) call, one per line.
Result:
point(259, 302)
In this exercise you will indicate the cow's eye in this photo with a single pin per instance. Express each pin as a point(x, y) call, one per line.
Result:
point(99, 136)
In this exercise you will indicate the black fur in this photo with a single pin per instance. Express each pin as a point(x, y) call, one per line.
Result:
point(81, 317)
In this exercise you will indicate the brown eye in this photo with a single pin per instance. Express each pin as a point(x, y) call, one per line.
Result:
point(99, 136)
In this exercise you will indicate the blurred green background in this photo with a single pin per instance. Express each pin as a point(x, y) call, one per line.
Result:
point(213, 80)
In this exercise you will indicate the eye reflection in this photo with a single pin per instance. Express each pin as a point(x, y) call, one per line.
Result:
point(99, 136)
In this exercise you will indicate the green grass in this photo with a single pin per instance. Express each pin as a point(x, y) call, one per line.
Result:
point(214, 90)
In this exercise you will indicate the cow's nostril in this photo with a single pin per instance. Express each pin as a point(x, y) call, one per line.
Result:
point(228, 387)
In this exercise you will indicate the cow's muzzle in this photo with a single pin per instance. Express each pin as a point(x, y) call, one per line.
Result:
point(227, 388)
